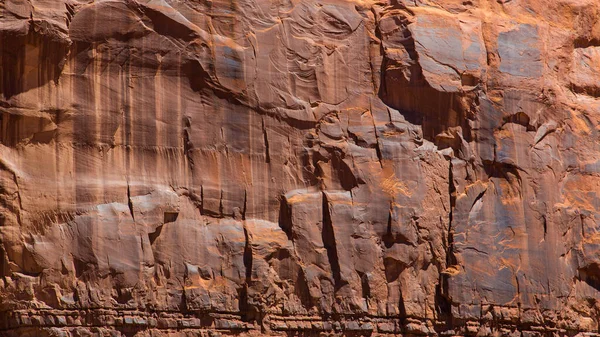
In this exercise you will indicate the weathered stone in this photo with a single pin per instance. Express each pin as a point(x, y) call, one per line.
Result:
point(191, 168)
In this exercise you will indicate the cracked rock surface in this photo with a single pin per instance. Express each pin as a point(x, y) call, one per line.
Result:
point(299, 167)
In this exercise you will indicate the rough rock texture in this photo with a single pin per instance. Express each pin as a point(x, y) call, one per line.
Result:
point(297, 167)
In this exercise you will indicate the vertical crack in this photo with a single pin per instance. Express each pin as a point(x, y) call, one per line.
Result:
point(221, 207)
point(201, 208)
point(130, 202)
point(187, 143)
point(247, 256)
point(248, 311)
point(183, 305)
point(329, 242)
point(245, 205)
point(545, 223)
point(401, 309)
point(378, 143)
point(285, 217)
point(365, 288)
point(266, 142)
point(388, 238)
point(443, 302)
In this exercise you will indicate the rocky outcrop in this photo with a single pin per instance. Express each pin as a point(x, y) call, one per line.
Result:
point(197, 168)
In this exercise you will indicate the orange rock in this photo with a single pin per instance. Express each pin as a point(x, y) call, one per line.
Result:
point(192, 168)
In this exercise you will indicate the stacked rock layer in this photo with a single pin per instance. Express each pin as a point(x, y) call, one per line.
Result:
point(299, 167)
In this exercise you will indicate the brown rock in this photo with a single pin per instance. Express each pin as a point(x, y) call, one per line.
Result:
point(194, 168)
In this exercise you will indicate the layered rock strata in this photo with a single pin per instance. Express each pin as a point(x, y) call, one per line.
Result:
point(305, 167)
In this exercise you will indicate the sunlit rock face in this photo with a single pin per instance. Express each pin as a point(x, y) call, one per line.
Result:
point(259, 167)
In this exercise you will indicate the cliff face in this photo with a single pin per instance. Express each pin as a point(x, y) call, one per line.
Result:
point(187, 168)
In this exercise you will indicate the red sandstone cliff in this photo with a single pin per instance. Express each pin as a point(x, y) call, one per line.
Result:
point(197, 167)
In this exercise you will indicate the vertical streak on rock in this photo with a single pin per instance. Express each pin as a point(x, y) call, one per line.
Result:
point(127, 112)
point(97, 96)
point(180, 127)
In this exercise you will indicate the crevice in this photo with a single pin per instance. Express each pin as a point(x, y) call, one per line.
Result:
point(248, 256)
point(302, 290)
point(249, 312)
point(590, 274)
point(402, 309)
point(546, 131)
point(477, 198)
point(183, 307)
point(123, 295)
point(187, 143)
point(378, 152)
point(377, 142)
point(495, 169)
point(170, 217)
point(588, 90)
point(520, 118)
point(328, 236)
point(285, 217)
point(201, 206)
point(545, 223)
point(583, 42)
point(476, 250)
point(388, 237)
point(221, 207)
point(442, 300)
point(130, 202)
point(582, 221)
point(346, 177)
point(154, 235)
point(80, 267)
point(365, 287)
point(70, 13)
point(266, 142)
point(245, 205)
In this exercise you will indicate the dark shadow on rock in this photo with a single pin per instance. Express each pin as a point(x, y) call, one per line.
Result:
point(420, 104)
point(404, 88)
point(591, 275)
point(28, 62)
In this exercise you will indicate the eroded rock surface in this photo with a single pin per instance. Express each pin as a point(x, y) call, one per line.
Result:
point(197, 168)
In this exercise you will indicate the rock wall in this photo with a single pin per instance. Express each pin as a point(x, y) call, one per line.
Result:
point(299, 167)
